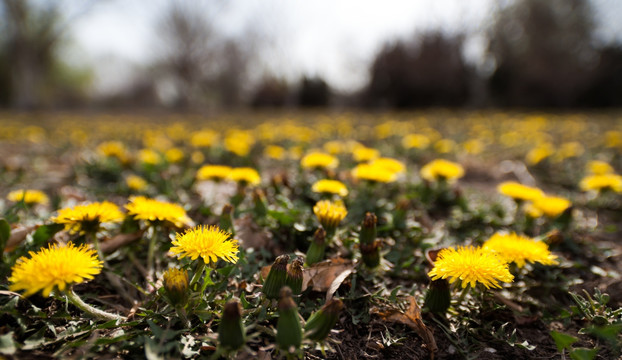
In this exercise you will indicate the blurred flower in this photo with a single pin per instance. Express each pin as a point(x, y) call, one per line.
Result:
point(373, 173)
point(149, 157)
point(390, 164)
point(444, 146)
point(539, 153)
point(151, 210)
point(569, 150)
point(520, 249)
point(334, 147)
point(602, 182)
point(613, 138)
point(362, 153)
point(441, 169)
point(29, 197)
point(319, 160)
point(473, 147)
point(207, 242)
point(197, 157)
point(203, 138)
point(213, 172)
point(597, 167)
point(54, 267)
point(519, 191)
point(329, 213)
point(330, 186)
point(239, 142)
point(471, 265)
point(135, 182)
point(176, 285)
point(113, 149)
point(88, 218)
point(246, 175)
point(551, 206)
point(174, 155)
point(417, 141)
point(275, 152)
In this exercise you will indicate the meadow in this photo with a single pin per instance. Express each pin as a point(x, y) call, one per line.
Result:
point(434, 234)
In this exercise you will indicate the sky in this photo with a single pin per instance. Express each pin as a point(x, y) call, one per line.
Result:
point(335, 39)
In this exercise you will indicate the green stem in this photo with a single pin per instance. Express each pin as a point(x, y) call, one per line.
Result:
point(151, 254)
point(197, 274)
point(100, 314)
point(463, 293)
point(184, 318)
point(98, 248)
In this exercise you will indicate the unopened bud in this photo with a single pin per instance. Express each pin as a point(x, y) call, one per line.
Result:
point(231, 329)
point(226, 219)
point(276, 277)
point(288, 328)
point(368, 229)
point(259, 201)
point(295, 277)
point(438, 297)
point(317, 249)
point(176, 286)
point(321, 322)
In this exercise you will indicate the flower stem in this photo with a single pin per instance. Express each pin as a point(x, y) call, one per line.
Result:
point(151, 254)
point(463, 293)
point(100, 314)
point(197, 274)
point(184, 318)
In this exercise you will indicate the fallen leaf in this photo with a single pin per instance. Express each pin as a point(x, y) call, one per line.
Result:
point(18, 235)
point(251, 235)
point(411, 318)
point(117, 241)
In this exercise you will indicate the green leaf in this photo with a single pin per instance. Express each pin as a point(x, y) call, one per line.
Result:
point(45, 232)
point(5, 233)
point(563, 341)
point(583, 354)
point(7, 345)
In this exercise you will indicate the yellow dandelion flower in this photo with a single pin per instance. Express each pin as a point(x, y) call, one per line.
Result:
point(275, 152)
point(597, 167)
point(176, 285)
point(113, 149)
point(551, 206)
point(88, 218)
point(135, 182)
point(362, 153)
point(30, 197)
point(334, 147)
point(54, 267)
point(174, 155)
point(207, 242)
point(539, 153)
point(520, 249)
point(417, 141)
point(149, 157)
point(213, 172)
point(471, 265)
point(204, 138)
point(390, 164)
point(602, 182)
point(319, 160)
point(570, 150)
point(613, 138)
point(151, 210)
point(239, 142)
point(373, 173)
point(245, 175)
point(474, 146)
point(330, 186)
point(197, 157)
point(519, 191)
point(442, 169)
point(532, 211)
point(329, 213)
point(444, 146)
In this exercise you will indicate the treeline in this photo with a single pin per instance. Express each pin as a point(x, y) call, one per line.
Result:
point(539, 54)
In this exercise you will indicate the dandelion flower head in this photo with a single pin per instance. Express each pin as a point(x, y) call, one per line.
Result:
point(88, 217)
point(552, 206)
point(330, 187)
point(135, 182)
point(151, 210)
point(208, 242)
point(362, 153)
point(390, 164)
point(319, 160)
point(245, 175)
point(330, 213)
point(519, 191)
point(602, 182)
point(598, 167)
point(417, 141)
point(30, 197)
point(471, 265)
point(442, 169)
point(54, 267)
point(520, 249)
point(374, 173)
point(213, 172)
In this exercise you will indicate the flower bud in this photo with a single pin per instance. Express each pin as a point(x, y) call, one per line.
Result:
point(316, 250)
point(231, 329)
point(438, 297)
point(276, 277)
point(259, 200)
point(371, 254)
point(288, 328)
point(176, 286)
point(295, 277)
point(321, 322)
point(368, 229)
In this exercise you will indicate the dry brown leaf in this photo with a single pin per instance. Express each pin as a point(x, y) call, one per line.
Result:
point(411, 318)
point(18, 235)
point(251, 235)
point(117, 241)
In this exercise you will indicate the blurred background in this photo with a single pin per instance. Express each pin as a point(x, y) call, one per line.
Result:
point(188, 55)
